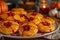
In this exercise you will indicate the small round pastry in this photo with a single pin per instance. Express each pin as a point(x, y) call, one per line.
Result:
point(35, 17)
point(9, 27)
point(7, 16)
point(28, 29)
point(10, 16)
point(1, 20)
point(4, 16)
point(20, 17)
point(48, 19)
point(45, 27)
point(19, 11)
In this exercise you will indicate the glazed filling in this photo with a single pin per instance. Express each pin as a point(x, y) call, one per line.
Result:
point(15, 34)
point(10, 14)
point(26, 27)
point(13, 31)
point(30, 19)
point(45, 23)
point(34, 14)
point(50, 30)
point(17, 21)
point(7, 24)
point(46, 17)
point(22, 15)
point(1, 19)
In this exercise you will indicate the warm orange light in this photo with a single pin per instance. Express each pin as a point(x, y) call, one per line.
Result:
point(44, 6)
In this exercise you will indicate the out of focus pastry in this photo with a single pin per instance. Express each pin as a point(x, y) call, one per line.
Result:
point(20, 17)
point(10, 16)
point(9, 27)
point(48, 19)
point(28, 29)
point(4, 16)
point(19, 11)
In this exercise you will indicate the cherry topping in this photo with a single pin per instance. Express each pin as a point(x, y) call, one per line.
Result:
point(26, 27)
point(34, 14)
point(45, 23)
point(1, 19)
point(22, 15)
point(10, 14)
point(13, 31)
point(50, 30)
point(7, 24)
point(46, 17)
point(30, 19)
point(15, 34)
point(17, 21)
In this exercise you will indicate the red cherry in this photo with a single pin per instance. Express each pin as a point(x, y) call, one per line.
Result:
point(22, 15)
point(13, 31)
point(7, 24)
point(10, 14)
point(17, 21)
point(26, 27)
point(50, 30)
point(1, 19)
point(45, 23)
point(46, 17)
point(34, 14)
point(30, 19)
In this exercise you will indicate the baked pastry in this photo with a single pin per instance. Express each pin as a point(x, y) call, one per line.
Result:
point(4, 16)
point(46, 25)
point(9, 27)
point(7, 16)
point(28, 29)
point(48, 19)
point(19, 11)
point(35, 17)
point(20, 17)
point(10, 16)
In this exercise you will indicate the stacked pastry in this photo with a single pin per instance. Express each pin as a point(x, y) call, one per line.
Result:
point(25, 23)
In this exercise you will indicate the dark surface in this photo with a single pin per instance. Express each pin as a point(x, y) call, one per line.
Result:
point(42, 38)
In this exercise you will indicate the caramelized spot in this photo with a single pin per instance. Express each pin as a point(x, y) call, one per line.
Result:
point(50, 30)
point(15, 34)
point(34, 14)
point(13, 31)
point(26, 27)
point(1, 19)
point(10, 14)
point(7, 24)
point(17, 21)
point(22, 15)
point(30, 19)
point(26, 17)
point(45, 23)
point(46, 17)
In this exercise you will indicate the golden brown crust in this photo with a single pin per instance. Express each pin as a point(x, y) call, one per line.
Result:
point(9, 30)
point(35, 16)
point(32, 31)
